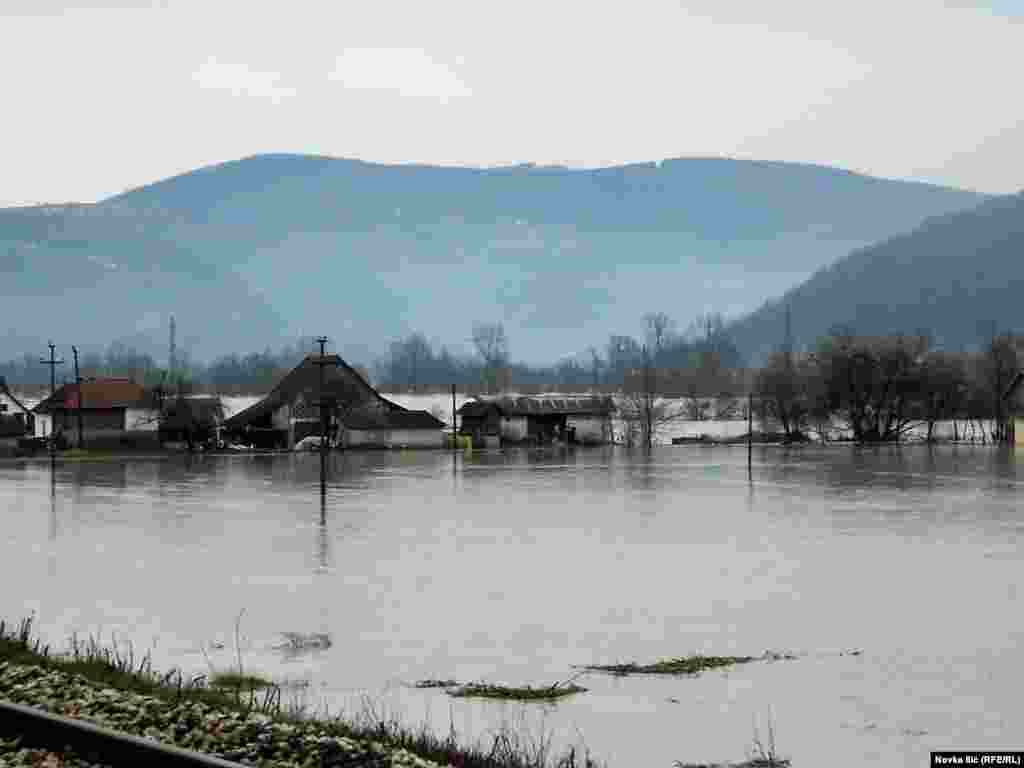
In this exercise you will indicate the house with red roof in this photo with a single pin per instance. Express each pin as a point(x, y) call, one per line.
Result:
point(113, 413)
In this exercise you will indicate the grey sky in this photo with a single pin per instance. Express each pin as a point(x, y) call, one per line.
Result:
point(102, 96)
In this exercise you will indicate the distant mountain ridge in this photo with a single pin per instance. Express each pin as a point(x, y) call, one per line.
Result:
point(956, 276)
point(252, 252)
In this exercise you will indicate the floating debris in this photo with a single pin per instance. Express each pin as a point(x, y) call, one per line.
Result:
point(516, 693)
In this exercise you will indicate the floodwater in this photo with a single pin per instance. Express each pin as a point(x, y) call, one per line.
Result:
point(511, 567)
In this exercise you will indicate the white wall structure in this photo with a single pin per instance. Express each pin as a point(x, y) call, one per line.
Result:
point(514, 428)
point(590, 429)
point(392, 438)
point(142, 419)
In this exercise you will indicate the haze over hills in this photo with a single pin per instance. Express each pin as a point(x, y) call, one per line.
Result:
point(957, 276)
point(258, 251)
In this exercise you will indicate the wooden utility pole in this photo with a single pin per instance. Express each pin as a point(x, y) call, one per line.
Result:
point(455, 435)
point(53, 362)
point(78, 403)
point(750, 435)
point(322, 402)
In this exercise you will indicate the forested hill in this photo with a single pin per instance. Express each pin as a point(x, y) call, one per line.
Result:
point(255, 252)
point(957, 276)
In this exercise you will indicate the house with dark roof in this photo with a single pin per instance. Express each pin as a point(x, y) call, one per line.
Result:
point(357, 415)
point(113, 412)
point(572, 420)
point(13, 413)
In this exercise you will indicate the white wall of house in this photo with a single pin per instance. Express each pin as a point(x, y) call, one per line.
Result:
point(392, 438)
point(417, 438)
point(43, 425)
point(282, 417)
point(514, 428)
point(366, 437)
point(590, 429)
point(142, 419)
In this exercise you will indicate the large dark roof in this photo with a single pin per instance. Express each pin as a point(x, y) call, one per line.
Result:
point(341, 382)
point(393, 420)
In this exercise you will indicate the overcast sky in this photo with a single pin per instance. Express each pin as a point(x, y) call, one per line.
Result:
point(102, 96)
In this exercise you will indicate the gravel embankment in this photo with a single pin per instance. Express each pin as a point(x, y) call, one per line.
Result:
point(252, 739)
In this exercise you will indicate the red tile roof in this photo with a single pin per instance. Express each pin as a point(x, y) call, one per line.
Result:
point(101, 394)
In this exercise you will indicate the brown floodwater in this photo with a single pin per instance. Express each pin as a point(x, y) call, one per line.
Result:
point(512, 567)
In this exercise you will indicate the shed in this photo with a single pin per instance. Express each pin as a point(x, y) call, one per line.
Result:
point(542, 419)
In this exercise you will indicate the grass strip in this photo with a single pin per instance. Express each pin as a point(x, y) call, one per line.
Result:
point(515, 693)
point(117, 690)
point(683, 665)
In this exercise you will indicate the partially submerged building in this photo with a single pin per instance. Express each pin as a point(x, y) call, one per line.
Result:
point(14, 415)
point(113, 412)
point(573, 420)
point(356, 414)
point(189, 421)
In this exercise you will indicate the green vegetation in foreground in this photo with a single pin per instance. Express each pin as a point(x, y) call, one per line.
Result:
point(434, 684)
point(239, 680)
point(118, 691)
point(684, 665)
point(511, 693)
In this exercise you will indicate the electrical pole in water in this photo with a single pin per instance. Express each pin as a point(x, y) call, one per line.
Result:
point(750, 435)
point(322, 402)
point(53, 362)
point(78, 402)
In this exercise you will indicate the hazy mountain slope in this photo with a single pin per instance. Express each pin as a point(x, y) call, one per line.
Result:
point(953, 276)
point(253, 251)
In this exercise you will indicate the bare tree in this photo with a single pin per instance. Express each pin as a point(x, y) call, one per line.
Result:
point(997, 366)
point(657, 330)
point(643, 410)
point(595, 367)
point(492, 345)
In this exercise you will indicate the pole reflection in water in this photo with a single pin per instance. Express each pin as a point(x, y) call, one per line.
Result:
point(52, 534)
point(322, 539)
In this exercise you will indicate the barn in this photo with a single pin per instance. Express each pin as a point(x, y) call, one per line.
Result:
point(357, 415)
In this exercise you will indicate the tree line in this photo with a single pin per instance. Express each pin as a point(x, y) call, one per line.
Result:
point(878, 388)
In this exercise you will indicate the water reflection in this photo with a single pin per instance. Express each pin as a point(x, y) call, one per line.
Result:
point(515, 565)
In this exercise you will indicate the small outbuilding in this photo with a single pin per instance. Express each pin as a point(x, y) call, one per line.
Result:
point(539, 420)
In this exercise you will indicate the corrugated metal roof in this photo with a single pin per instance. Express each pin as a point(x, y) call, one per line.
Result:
point(393, 420)
point(553, 406)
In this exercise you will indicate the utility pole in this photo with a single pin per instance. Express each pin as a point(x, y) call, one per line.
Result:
point(53, 362)
point(322, 402)
point(750, 435)
point(455, 435)
point(172, 355)
point(78, 403)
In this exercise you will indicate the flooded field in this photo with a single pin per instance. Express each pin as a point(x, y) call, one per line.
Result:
point(891, 574)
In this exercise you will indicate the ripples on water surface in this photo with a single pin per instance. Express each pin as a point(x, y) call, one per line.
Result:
point(511, 567)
